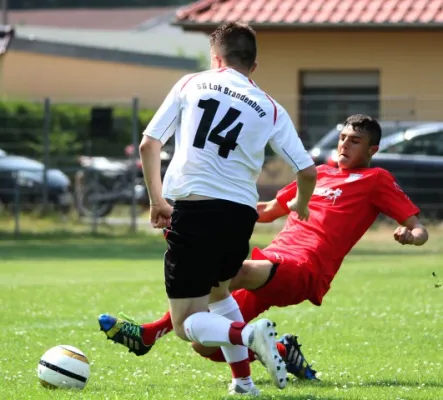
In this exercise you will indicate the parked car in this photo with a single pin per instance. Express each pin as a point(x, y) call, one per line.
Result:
point(415, 157)
point(26, 176)
point(322, 150)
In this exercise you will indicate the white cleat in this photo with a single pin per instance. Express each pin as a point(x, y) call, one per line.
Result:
point(250, 390)
point(262, 342)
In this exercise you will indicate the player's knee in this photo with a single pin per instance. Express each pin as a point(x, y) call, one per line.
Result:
point(245, 278)
point(203, 350)
point(252, 275)
point(179, 330)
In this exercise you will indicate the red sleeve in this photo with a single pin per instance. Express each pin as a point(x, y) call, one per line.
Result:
point(286, 194)
point(390, 199)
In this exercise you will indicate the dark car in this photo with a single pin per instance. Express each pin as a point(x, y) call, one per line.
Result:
point(415, 157)
point(25, 176)
point(322, 150)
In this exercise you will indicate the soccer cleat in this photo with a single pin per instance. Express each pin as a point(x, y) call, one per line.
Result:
point(244, 391)
point(124, 331)
point(296, 363)
point(262, 342)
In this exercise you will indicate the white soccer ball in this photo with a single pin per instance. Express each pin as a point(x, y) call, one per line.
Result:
point(63, 366)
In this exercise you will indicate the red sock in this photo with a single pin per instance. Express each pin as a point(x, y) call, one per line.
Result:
point(155, 330)
point(240, 369)
point(235, 331)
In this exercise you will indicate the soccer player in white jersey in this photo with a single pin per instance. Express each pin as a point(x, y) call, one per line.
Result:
point(222, 122)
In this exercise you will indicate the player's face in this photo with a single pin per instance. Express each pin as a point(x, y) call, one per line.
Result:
point(354, 150)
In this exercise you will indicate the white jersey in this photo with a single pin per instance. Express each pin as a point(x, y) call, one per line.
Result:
point(222, 122)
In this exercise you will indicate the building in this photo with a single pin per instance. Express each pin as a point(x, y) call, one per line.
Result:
point(326, 59)
point(98, 56)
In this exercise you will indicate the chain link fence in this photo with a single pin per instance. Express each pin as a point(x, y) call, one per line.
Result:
point(70, 166)
point(75, 167)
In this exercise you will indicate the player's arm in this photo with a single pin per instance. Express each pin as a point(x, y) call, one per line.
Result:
point(269, 211)
point(150, 150)
point(286, 142)
point(412, 232)
point(390, 199)
point(156, 134)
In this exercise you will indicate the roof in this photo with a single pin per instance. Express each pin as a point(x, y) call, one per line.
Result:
point(117, 18)
point(162, 40)
point(102, 54)
point(314, 13)
point(6, 35)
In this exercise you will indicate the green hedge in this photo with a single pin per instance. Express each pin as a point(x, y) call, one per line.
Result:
point(22, 127)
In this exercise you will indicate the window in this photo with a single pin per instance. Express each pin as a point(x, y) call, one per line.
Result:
point(329, 97)
point(430, 144)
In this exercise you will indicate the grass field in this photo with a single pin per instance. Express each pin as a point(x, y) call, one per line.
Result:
point(377, 336)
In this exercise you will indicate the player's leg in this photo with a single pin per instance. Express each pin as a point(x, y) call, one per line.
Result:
point(228, 238)
point(253, 275)
point(288, 283)
point(222, 303)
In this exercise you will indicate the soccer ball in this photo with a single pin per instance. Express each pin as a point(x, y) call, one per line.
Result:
point(63, 366)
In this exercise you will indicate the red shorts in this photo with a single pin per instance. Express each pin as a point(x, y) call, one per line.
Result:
point(296, 279)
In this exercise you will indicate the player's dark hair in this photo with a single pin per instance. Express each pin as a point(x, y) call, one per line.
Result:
point(236, 43)
point(365, 124)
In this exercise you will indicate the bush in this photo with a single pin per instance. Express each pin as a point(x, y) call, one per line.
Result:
point(22, 131)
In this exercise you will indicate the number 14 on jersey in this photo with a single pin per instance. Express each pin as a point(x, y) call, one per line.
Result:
point(227, 143)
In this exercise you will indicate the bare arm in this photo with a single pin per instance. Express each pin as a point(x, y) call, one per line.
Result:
point(270, 211)
point(150, 149)
point(306, 179)
point(161, 211)
point(286, 142)
point(412, 232)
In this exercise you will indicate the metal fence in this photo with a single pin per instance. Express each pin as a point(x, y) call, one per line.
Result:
point(68, 170)
point(76, 169)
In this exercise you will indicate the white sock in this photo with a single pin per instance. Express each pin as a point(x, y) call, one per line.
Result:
point(212, 330)
point(229, 308)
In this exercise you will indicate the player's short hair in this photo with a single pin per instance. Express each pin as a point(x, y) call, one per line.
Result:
point(365, 124)
point(236, 43)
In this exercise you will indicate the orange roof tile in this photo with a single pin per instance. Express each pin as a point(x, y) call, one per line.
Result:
point(315, 13)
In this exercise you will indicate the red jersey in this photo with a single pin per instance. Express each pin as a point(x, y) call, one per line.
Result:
point(344, 205)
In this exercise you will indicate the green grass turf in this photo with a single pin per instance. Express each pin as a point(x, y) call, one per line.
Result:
point(377, 336)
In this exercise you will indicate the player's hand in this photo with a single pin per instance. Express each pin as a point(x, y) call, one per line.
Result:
point(161, 215)
point(403, 235)
point(301, 210)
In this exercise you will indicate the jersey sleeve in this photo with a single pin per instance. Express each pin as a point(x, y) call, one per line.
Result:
point(162, 126)
point(390, 199)
point(286, 194)
point(286, 142)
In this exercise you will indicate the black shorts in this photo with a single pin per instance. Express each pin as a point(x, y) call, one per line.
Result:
point(207, 243)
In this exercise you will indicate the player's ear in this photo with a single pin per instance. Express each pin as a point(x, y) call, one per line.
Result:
point(372, 150)
point(216, 61)
point(254, 66)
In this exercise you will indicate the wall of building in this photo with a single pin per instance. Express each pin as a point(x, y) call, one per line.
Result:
point(409, 63)
point(34, 76)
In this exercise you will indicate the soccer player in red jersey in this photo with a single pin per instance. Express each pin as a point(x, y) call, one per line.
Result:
point(302, 260)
